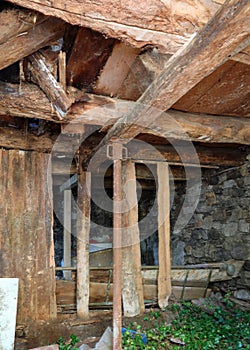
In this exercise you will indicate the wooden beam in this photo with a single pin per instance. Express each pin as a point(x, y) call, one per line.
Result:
point(83, 223)
point(67, 233)
point(204, 53)
point(62, 69)
point(42, 75)
point(31, 102)
point(116, 69)
point(38, 35)
point(132, 287)
point(242, 56)
point(132, 22)
point(163, 197)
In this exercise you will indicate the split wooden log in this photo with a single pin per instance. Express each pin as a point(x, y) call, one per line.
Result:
point(163, 198)
point(35, 36)
point(83, 229)
point(48, 83)
point(132, 288)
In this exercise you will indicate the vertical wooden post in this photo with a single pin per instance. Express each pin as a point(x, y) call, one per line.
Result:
point(164, 276)
point(83, 224)
point(62, 69)
point(132, 287)
point(117, 244)
point(67, 233)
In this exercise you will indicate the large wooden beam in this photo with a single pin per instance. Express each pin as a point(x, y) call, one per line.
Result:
point(31, 102)
point(38, 35)
point(165, 25)
point(222, 35)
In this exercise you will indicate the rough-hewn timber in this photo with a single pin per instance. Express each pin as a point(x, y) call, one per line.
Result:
point(165, 25)
point(27, 250)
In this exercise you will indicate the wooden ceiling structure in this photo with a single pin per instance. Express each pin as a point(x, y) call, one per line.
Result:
point(156, 70)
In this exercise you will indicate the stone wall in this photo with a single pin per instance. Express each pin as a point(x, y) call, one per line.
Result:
point(219, 230)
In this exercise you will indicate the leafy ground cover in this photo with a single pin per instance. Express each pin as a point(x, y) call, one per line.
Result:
point(194, 328)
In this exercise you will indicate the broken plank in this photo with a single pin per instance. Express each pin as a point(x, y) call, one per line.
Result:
point(39, 35)
point(47, 82)
point(163, 199)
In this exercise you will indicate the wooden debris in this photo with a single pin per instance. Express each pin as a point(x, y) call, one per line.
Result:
point(49, 347)
point(47, 82)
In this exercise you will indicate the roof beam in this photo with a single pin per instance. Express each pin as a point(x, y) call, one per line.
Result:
point(222, 35)
point(35, 34)
point(29, 101)
point(164, 24)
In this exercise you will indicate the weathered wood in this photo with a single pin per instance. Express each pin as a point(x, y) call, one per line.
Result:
point(165, 25)
point(189, 66)
point(26, 236)
point(224, 92)
point(89, 53)
point(83, 229)
point(31, 102)
point(67, 233)
point(132, 288)
point(62, 69)
point(48, 83)
point(35, 37)
point(66, 294)
point(14, 23)
point(163, 198)
point(116, 69)
point(49, 347)
point(242, 56)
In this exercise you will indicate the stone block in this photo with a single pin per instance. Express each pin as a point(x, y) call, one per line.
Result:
point(230, 229)
point(243, 226)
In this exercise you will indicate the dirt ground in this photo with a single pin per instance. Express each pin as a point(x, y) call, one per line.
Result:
point(35, 334)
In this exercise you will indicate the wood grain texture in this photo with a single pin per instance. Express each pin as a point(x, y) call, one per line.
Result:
point(83, 229)
point(159, 23)
point(205, 52)
point(26, 236)
point(25, 43)
point(164, 252)
point(132, 288)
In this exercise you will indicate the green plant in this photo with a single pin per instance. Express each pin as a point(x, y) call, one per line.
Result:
point(224, 328)
point(68, 345)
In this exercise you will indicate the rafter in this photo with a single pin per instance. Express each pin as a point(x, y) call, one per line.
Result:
point(204, 53)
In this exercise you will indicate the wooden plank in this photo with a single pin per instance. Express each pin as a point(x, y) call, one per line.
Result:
point(165, 25)
point(188, 67)
point(42, 75)
point(28, 232)
point(83, 228)
point(8, 311)
point(88, 56)
point(66, 294)
point(62, 69)
point(67, 233)
point(132, 288)
point(37, 36)
point(163, 198)
point(116, 69)
point(49, 347)
point(16, 22)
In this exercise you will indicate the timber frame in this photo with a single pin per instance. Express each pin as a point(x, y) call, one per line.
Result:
point(78, 77)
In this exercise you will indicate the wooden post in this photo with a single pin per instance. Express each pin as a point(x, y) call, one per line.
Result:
point(163, 195)
point(132, 288)
point(83, 224)
point(62, 69)
point(117, 244)
point(67, 233)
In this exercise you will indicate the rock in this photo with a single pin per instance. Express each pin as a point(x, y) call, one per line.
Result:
point(242, 294)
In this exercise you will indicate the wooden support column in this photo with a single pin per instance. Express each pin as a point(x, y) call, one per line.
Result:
point(117, 149)
point(84, 193)
point(67, 233)
point(163, 195)
point(132, 287)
